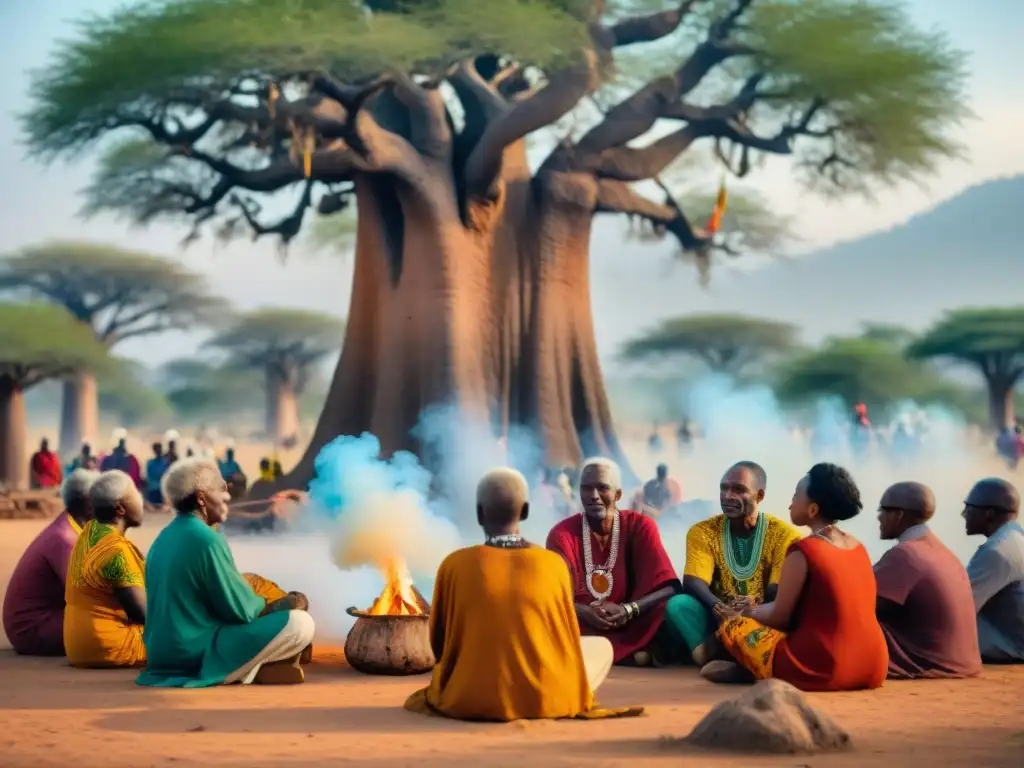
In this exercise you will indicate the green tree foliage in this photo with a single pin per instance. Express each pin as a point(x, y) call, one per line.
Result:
point(282, 343)
point(859, 370)
point(128, 397)
point(118, 294)
point(200, 390)
point(729, 344)
point(989, 340)
point(38, 342)
point(215, 103)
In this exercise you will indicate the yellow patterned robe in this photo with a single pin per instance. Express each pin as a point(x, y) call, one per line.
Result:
point(705, 557)
point(97, 632)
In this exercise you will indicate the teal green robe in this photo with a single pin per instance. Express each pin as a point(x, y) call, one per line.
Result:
point(202, 617)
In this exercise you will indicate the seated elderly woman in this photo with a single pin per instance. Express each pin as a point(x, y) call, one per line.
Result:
point(105, 595)
point(205, 625)
point(33, 612)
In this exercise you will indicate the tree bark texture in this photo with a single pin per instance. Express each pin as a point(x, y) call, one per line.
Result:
point(493, 320)
point(13, 436)
point(1000, 402)
point(79, 414)
point(282, 417)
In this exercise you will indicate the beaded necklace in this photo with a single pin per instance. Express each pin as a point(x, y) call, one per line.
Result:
point(743, 555)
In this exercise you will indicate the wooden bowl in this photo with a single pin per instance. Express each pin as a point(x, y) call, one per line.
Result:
point(389, 645)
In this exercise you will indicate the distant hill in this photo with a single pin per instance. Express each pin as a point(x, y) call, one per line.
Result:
point(968, 250)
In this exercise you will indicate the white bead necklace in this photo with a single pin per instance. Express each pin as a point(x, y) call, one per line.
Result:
point(600, 580)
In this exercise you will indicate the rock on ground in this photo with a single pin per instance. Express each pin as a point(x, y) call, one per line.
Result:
point(772, 716)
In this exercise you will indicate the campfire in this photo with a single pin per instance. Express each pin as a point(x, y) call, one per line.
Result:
point(400, 596)
point(392, 637)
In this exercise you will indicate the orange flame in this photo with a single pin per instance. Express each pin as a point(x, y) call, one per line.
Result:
point(399, 597)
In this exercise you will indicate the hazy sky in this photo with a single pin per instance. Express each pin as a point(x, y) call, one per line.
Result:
point(42, 203)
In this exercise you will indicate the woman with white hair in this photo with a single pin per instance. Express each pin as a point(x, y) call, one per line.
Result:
point(33, 613)
point(204, 623)
point(105, 592)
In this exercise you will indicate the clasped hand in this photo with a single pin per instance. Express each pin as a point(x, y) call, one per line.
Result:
point(735, 608)
point(604, 615)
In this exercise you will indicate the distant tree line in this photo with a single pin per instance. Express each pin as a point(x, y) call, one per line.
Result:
point(880, 367)
point(65, 307)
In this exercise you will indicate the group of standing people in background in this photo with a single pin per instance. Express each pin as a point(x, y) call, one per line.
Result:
point(45, 470)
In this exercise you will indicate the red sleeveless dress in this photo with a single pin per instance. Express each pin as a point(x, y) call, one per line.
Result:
point(837, 643)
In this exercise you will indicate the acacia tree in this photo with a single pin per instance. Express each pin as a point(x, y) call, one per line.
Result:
point(728, 344)
point(118, 294)
point(990, 340)
point(38, 342)
point(859, 370)
point(471, 282)
point(284, 345)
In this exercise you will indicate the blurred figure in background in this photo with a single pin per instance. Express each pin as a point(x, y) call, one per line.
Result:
point(84, 460)
point(121, 459)
point(44, 467)
point(660, 493)
point(155, 469)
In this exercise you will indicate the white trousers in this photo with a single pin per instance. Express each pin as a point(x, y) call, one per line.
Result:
point(290, 641)
point(598, 656)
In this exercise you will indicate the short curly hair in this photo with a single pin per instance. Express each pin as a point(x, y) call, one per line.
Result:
point(833, 489)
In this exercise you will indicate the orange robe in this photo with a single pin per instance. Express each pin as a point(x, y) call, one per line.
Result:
point(503, 628)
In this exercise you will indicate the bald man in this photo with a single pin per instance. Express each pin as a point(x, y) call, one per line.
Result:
point(502, 624)
point(996, 570)
point(925, 605)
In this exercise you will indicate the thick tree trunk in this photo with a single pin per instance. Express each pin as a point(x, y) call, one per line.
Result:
point(491, 321)
point(1000, 402)
point(282, 417)
point(13, 435)
point(79, 414)
point(417, 325)
point(568, 405)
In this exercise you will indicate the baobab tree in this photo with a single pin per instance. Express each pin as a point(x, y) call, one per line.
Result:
point(471, 277)
point(991, 341)
point(727, 344)
point(284, 345)
point(38, 342)
point(117, 294)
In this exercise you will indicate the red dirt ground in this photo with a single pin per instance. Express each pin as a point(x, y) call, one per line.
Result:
point(56, 716)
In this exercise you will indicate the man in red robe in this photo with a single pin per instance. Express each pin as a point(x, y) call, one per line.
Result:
point(44, 467)
point(621, 573)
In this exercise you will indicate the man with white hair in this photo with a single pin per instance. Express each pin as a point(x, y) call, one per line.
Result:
point(622, 574)
point(204, 623)
point(106, 593)
point(33, 612)
point(503, 627)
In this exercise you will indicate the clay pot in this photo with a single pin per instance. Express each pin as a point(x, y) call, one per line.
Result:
point(389, 645)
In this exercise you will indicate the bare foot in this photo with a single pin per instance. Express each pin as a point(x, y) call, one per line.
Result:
point(706, 651)
point(726, 673)
point(285, 672)
point(642, 659)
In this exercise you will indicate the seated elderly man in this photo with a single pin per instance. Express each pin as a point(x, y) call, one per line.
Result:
point(503, 627)
point(106, 596)
point(204, 623)
point(731, 559)
point(924, 601)
point(622, 575)
point(997, 569)
point(33, 613)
